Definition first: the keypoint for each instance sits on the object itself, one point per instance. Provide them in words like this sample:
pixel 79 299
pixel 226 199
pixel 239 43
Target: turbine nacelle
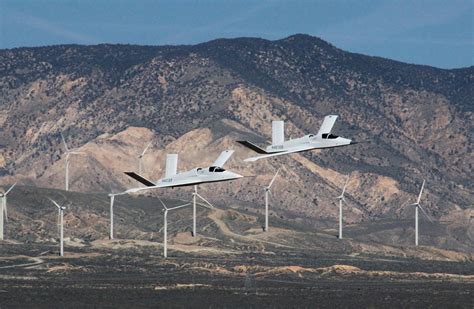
pixel 57 205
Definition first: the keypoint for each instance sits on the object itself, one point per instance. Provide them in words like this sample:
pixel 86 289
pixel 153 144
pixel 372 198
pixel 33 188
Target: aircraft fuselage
pixel 308 142
pixel 198 176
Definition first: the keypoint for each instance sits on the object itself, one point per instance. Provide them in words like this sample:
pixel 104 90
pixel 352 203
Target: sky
pixel 439 33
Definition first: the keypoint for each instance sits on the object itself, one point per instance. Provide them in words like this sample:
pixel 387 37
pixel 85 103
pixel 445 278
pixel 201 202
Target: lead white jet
pixel 323 139
pixel 194 177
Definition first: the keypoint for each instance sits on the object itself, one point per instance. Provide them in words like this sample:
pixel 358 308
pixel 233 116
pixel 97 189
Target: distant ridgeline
pixel 199 99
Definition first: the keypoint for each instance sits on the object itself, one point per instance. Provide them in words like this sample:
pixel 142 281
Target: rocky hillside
pixel 111 100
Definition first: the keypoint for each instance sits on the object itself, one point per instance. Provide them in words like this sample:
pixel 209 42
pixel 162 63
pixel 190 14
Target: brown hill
pixel 110 100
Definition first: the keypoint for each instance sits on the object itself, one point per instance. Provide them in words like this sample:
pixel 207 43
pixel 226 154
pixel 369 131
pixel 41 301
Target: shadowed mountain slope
pixel 110 100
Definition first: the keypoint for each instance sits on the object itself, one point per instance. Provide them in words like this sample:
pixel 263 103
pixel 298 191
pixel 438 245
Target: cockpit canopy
pixel 216 169
pixel 329 136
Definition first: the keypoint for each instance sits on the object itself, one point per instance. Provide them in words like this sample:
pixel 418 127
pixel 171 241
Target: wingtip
pixel 360 142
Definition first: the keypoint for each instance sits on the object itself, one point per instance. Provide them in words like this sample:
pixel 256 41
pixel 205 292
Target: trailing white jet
pixel 214 173
pixel 323 139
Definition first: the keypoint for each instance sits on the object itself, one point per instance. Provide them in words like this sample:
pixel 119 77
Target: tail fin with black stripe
pixel 252 146
pixel 141 179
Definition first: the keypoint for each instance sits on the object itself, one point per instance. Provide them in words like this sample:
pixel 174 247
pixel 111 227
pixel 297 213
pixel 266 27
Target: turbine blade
pixel 426 214
pixel 180 206
pixel 124 192
pixel 10 189
pixel 273 179
pixel 54 202
pixel 421 191
pixel 64 142
pixel 208 203
pixel 345 185
pixel 162 203
pixel 146 148
pixel 404 204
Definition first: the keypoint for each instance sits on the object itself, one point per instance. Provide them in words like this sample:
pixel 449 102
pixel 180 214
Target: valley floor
pixel 135 275
pixel 230 263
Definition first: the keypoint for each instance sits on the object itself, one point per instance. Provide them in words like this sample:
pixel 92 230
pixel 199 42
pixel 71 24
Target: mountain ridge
pixel 417 118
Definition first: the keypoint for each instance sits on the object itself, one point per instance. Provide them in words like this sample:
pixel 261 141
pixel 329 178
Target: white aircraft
pixel 214 173
pixel 323 139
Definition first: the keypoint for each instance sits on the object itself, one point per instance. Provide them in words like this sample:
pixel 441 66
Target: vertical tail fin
pixel 171 165
pixel 278 132
pixel 223 157
pixel 327 125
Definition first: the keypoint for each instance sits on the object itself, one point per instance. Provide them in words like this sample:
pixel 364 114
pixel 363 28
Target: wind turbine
pixel 61 224
pixel 267 192
pixel 342 199
pixel 165 226
pixel 3 210
pixel 140 156
pixel 417 205
pixel 68 153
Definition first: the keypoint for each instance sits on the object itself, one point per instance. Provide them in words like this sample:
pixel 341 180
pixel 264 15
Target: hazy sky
pixel 437 33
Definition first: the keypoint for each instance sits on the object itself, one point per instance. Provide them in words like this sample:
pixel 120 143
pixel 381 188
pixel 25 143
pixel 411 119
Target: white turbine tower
pixel 3 210
pixel 112 199
pixel 140 156
pixel 68 153
pixel 267 192
pixel 417 205
pixel 61 226
pixel 165 225
pixel 342 199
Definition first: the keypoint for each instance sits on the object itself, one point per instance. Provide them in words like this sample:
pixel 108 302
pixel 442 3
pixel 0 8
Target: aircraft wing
pixel 290 151
pixel 179 183
pixel 223 157
pixel 327 125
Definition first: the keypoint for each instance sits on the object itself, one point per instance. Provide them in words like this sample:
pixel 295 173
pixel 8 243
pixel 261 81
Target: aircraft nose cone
pixel 353 142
